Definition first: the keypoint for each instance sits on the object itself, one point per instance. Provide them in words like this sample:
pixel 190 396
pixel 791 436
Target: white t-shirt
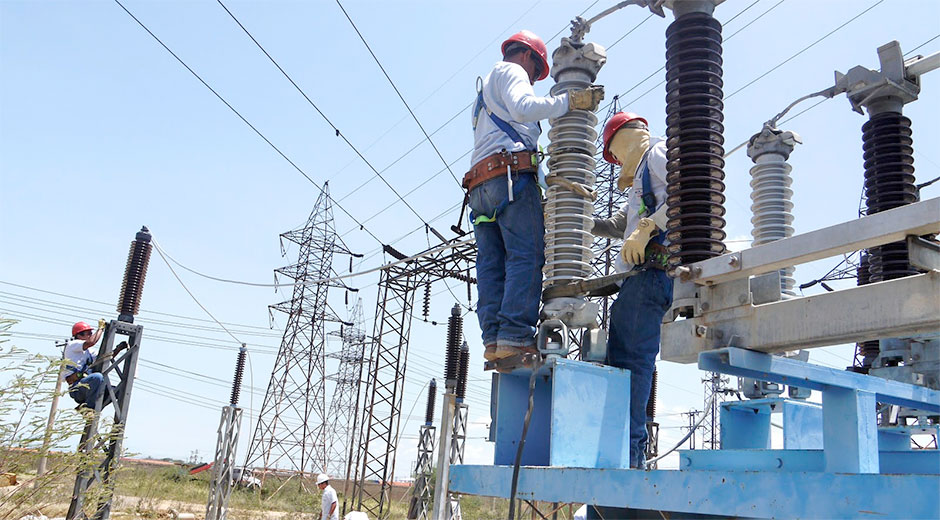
pixel 509 95
pixel 327 501
pixel 76 357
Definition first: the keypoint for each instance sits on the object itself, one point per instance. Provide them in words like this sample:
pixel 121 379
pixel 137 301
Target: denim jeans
pixel 510 256
pixel 86 390
pixel 633 342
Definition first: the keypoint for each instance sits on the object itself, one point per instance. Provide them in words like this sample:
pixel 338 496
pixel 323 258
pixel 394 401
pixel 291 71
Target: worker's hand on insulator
pixel 634 246
pixel 586 99
pixel 101 324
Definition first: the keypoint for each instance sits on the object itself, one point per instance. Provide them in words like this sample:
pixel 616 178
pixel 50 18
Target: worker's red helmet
pixel 80 327
pixel 535 44
pixel 616 121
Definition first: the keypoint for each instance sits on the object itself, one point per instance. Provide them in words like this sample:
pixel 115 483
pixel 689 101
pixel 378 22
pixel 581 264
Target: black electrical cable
pixel 240 116
pixel 400 96
pixel 525 431
pixel 335 129
pixel 804 49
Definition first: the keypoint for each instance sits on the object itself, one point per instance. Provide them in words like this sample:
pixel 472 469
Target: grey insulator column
pixel 568 214
pixel 772 207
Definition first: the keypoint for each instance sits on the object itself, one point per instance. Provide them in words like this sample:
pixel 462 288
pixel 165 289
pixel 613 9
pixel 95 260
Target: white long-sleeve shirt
pixel 656 159
pixel 509 95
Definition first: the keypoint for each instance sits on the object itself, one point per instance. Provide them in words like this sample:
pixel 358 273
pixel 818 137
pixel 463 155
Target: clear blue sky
pixel 102 131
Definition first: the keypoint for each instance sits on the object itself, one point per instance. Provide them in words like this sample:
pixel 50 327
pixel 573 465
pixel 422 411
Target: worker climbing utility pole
pixel 502 192
pixel 96 471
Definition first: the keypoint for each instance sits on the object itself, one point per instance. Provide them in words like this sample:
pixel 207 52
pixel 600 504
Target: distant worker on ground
pixel 644 298
pixel 328 501
pixel 504 197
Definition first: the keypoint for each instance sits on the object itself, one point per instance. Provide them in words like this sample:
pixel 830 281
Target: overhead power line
pixel 335 129
pixel 804 49
pixel 240 116
pixel 400 96
pixel 113 304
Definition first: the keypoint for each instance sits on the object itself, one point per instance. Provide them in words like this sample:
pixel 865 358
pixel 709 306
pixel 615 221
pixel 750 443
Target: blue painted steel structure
pixel 835 463
pixel 580 419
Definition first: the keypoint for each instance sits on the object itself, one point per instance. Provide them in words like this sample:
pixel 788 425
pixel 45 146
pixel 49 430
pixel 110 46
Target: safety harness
pixel 648 206
pixel 514 188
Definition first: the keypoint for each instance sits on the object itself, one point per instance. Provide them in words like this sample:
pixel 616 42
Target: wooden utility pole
pixel 47 436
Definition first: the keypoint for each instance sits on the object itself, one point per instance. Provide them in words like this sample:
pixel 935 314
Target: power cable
pixel 804 49
pixel 190 293
pixel 400 96
pixel 237 113
pixel 335 129
pixel 112 304
pixel 444 247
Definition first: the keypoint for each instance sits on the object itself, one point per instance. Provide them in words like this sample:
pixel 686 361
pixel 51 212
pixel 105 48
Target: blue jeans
pixel 86 390
pixel 633 342
pixel 510 256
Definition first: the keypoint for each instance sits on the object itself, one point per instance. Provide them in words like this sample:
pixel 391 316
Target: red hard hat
pixel 80 327
pixel 534 43
pixel 616 121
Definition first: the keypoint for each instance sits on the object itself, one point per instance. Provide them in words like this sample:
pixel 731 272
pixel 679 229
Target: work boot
pixel 489 353
pixel 504 351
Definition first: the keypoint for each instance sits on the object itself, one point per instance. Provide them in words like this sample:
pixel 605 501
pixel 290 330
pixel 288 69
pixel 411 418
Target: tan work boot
pixel 490 353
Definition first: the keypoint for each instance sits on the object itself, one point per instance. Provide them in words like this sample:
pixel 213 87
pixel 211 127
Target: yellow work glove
pixel 634 246
pixel 586 99
pixel 101 324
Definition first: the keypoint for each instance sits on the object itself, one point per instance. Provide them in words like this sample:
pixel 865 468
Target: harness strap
pixel 500 123
pixel 648 203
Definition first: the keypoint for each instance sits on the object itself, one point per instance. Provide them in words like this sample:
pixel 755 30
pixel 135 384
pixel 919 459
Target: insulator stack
pixel 432 395
pixel 426 307
pixel 135 273
pixel 889 183
pixel 694 141
pixel 572 147
pixel 239 370
pixel 464 362
pixel 772 206
pixel 651 404
pixel 868 349
pixel 454 336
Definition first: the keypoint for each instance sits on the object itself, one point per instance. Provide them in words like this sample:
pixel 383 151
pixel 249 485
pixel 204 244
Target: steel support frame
pixel 96 472
pixel 730 306
pixel 761 483
pixel 223 466
pixel 424 467
pixel 458 441
pixel 373 469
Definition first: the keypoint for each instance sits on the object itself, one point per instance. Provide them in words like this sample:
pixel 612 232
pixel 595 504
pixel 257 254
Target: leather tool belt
pixel 73 378
pixel 495 165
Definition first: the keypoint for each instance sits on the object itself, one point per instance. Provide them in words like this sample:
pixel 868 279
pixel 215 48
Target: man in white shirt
pixel 328 501
pixel 85 385
pixel 504 198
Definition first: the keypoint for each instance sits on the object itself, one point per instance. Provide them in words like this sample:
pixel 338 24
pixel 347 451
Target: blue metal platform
pixel 836 463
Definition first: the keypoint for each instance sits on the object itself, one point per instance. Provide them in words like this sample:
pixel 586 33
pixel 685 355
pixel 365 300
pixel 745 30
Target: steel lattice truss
pixel 609 200
pixel 344 405
pixel 291 433
pixel 375 459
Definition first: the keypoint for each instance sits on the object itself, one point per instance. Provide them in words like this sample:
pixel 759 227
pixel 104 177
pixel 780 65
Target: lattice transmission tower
pixel 291 432
pixel 344 405
pixel 609 200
